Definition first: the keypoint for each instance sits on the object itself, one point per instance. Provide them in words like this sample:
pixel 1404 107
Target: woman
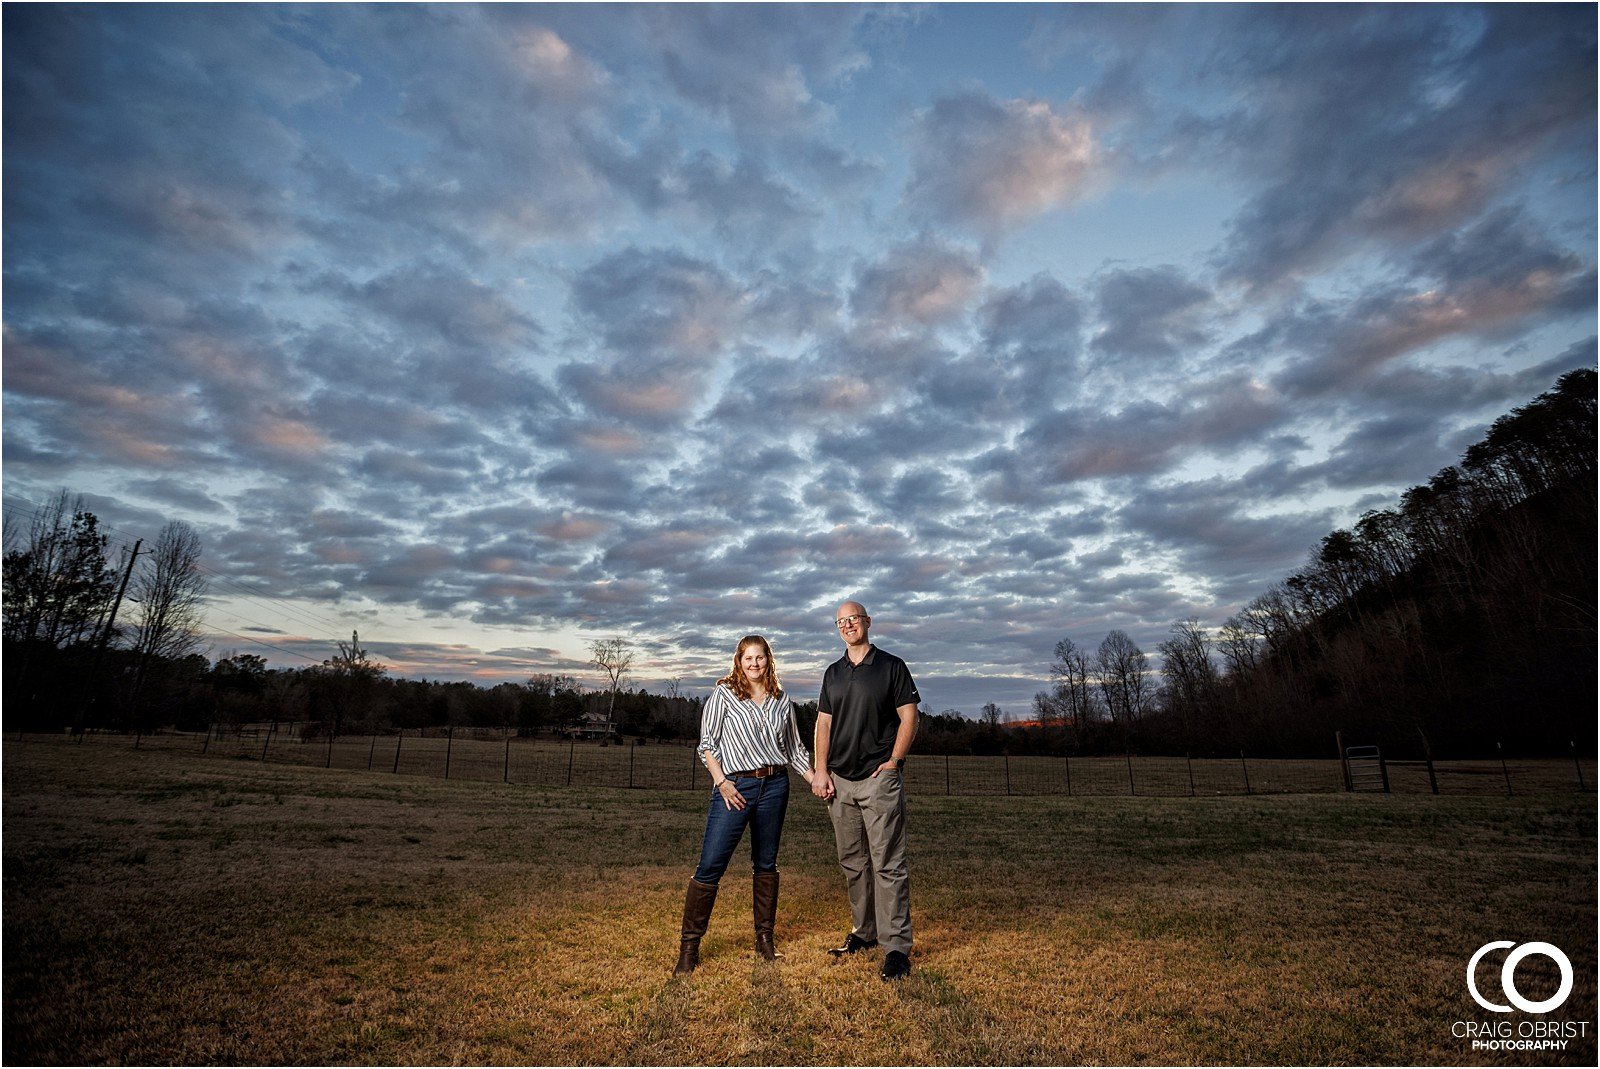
pixel 748 734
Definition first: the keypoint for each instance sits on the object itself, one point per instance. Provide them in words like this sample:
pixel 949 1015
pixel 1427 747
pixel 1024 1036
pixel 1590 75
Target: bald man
pixel 866 721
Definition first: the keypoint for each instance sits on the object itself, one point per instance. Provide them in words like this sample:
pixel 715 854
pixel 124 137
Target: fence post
pixel 329 762
pixel 632 746
pixel 449 741
pixel 399 739
pixel 372 751
pixel 694 759
pixel 571 746
pixel 1344 762
pixel 1503 769
pixel 1066 760
pixel 1131 791
pixel 1246 768
pixel 266 744
pixel 207 745
pixel 1008 774
pixel 1427 755
pixel 1573 743
pixel 506 777
pixel 1189 760
pixel 947 774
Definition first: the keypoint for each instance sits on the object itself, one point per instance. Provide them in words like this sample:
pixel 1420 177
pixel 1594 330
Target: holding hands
pixel 822 784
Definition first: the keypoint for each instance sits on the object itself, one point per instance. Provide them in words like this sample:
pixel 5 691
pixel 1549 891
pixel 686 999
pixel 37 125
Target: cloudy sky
pixel 489 331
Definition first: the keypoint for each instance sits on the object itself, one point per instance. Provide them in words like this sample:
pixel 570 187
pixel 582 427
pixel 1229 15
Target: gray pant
pixel 869 830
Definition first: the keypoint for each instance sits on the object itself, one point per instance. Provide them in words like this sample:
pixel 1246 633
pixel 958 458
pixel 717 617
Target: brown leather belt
pixel 760 773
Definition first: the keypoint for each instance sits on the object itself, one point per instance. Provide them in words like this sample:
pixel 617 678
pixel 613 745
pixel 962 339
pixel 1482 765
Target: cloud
pixel 991 164
pixel 1149 314
pixel 663 319
pixel 1505 260
pixel 1398 126
pixel 643 301
pixel 443 306
pixel 924 283
pixel 1478 295
pixel 1037 321
pixel 1203 523
pixel 1147 437
pixel 757 66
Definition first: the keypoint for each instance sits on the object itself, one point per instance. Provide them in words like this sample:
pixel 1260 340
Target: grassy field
pixel 165 907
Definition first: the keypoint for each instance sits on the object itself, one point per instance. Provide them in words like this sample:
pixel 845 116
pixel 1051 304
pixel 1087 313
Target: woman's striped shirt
pixel 743 735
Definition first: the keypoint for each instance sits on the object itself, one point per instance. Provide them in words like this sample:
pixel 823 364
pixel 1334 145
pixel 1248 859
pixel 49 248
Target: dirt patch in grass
pixel 166 908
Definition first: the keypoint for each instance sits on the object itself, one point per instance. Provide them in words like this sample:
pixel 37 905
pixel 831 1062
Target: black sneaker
pixel 853 944
pixel 896 966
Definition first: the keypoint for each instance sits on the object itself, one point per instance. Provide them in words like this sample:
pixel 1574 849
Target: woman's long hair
pixel 736 680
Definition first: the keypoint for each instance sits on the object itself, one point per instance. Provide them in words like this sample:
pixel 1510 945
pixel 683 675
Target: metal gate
pixel 1368 772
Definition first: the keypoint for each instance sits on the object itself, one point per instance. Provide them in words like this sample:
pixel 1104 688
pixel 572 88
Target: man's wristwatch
pixel 899 763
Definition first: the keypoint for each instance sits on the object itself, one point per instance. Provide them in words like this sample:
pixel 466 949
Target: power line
pixel 305 615
pixel 268 645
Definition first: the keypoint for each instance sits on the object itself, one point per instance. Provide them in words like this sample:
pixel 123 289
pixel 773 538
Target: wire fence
pixel 482 756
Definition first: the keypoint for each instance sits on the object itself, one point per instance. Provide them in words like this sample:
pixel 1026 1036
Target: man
pixel 866 720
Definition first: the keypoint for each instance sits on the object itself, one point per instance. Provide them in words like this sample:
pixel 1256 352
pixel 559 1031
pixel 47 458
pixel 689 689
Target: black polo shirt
pixel 862 699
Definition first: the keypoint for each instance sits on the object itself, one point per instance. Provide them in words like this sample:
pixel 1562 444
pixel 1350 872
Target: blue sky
pixel 488 331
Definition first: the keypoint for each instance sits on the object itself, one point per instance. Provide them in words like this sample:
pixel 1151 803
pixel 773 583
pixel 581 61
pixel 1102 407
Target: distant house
pixel 591 725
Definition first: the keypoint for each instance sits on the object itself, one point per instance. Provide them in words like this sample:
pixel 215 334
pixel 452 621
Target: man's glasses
pixel 844 620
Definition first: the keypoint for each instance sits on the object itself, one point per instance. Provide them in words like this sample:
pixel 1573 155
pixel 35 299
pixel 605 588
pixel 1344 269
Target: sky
pixel 488 331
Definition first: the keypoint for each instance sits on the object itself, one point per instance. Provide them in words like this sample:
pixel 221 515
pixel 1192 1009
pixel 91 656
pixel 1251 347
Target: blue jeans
pixel 765 802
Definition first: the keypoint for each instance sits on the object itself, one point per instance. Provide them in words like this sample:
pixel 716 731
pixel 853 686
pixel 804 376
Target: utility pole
pixel 94 681
pixel 122 588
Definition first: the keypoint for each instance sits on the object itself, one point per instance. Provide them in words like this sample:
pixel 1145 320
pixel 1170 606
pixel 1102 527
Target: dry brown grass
pixel 168 908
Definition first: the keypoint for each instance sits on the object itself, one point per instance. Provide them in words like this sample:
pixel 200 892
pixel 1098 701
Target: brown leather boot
pixel 697 903
pixel 764 900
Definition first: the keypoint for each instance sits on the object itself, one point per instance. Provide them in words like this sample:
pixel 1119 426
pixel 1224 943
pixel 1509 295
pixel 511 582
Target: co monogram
pixel 1508 981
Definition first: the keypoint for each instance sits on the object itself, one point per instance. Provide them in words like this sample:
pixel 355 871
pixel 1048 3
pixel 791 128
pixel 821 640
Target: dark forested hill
pixel 1466 615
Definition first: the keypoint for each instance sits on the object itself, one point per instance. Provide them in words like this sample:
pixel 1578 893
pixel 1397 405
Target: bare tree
pixel 1240 647
pixel 1046 710
pixel 1072 695
pixel 1121 665
pixel 614 657
pixel 169 589
pixel 992 715
pixel 1191 674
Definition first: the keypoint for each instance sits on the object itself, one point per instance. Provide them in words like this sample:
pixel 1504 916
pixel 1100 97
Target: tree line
pixel 352 694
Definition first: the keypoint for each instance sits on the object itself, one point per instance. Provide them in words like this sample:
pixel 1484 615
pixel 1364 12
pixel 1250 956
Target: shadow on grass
pixel 658 1029
pixel 780 1040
